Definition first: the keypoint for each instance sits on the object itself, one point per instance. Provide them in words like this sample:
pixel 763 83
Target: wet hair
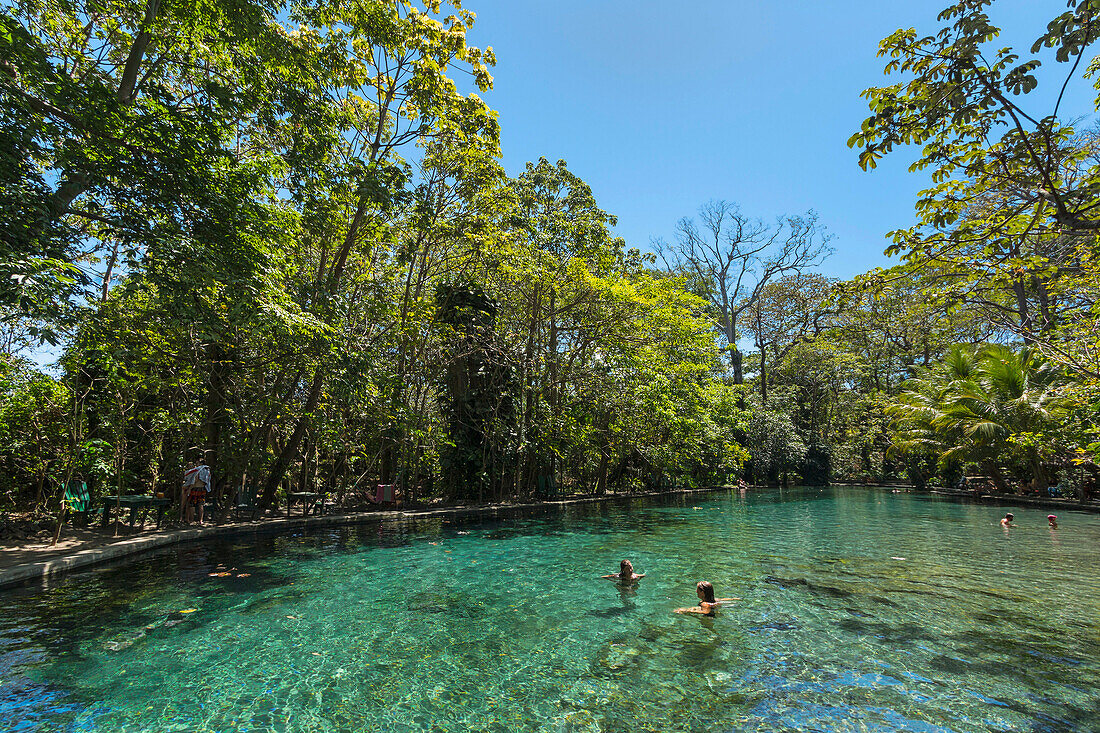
pixel 708 590
pixel 1010 515
pixel 626 568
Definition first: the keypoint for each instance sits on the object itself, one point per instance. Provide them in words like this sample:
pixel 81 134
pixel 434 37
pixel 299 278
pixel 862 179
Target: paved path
pixel 81 548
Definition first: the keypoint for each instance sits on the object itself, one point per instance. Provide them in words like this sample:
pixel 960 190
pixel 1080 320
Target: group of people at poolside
pixel 1007 520
pixel 708 604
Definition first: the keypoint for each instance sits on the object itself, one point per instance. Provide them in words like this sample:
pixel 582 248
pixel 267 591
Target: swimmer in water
pixel 1007 521
pixel 626 573
pixel 708 604
pixel 1052 521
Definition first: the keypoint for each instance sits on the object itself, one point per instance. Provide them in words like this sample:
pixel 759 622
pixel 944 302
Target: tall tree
pixel 390 91
pixel 733 257
pixel 787 312
pixel 561 237
pixel 106 93
pixel 1010 222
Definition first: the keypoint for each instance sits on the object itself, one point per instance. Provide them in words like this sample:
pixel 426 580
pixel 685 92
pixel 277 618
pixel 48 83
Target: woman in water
pixel 626 573
pixel 708 605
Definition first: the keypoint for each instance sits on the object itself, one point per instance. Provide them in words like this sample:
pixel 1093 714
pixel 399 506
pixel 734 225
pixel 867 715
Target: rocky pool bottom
pixel 861 610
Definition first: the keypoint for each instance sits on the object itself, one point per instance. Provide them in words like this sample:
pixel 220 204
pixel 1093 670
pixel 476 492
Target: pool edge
pixel 27 573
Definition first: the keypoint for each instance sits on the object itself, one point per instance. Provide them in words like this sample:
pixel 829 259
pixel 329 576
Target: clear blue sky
pixel 661 106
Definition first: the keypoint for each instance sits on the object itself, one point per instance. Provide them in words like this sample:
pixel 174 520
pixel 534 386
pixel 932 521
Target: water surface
pixel 862 611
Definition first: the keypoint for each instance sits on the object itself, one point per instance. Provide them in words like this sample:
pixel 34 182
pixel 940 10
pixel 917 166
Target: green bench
pixel 135 503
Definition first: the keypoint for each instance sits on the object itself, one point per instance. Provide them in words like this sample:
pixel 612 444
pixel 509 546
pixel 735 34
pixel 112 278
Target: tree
pixel 34 430
pixel 962 104
pixel 100 95
pixel 775 446
pixel 976 404
pixel 787 311
pixel 732 258
pixel 561 244
pixel 390 91
pixel 1009 225
pixel 477 394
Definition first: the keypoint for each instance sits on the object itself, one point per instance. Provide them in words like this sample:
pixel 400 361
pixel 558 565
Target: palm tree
pixel 1011 393
pixel 919 427
pixel 970 406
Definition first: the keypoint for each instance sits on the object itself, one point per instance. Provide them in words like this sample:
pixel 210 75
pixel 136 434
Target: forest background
pixel 277 237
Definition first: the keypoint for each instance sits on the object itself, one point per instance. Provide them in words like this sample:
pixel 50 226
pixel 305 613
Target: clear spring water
pixel 861 611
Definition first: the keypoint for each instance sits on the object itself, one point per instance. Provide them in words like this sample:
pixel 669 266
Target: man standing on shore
pixel 196 485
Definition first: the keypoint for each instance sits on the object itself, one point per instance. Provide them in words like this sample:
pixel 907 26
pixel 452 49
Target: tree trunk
pixel 737 360
pixel 549 465
pixel 278 470
pixel 216 418
pixel 75 183
pixel 605 456
pixel 763 377
pixel 529 475
pixel 736 357
pixel 1045 312
pixel 111 261
pixel 303 476
pixel 1042 481
pixel 994 472
pixel 1024 312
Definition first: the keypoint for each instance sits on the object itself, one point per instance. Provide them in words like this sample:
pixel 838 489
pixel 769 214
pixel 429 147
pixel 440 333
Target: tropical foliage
pixel 981 406
pixel 1007 232
pixel 278 236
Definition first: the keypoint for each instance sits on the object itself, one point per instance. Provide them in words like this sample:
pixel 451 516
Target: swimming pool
pixel 862 610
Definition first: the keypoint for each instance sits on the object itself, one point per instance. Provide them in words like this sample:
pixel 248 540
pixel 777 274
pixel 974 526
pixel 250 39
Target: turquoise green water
pixel 861 611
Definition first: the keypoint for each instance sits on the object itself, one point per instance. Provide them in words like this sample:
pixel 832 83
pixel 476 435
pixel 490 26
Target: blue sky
pixel 661 106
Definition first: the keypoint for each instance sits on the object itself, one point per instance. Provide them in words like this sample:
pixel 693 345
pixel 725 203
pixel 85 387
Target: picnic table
pixel 308 499
pixel 134 502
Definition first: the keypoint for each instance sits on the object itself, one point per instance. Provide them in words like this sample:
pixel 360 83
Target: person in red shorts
pixel 196 485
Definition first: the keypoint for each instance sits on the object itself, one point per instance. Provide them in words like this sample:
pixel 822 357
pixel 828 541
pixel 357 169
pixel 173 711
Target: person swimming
pixel 1052 521
pixel 708 604
pixel 1007 520
pixel 626 573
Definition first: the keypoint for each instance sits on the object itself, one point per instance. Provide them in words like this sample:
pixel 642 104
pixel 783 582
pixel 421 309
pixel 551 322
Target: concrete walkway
pixel 81 548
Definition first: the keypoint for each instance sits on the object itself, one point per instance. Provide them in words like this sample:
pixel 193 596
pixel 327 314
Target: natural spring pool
pixel 862 611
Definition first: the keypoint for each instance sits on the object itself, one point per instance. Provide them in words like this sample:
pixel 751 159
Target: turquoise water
pixel 861 611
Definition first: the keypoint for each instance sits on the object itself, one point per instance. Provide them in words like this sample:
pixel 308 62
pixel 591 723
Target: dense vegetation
pixel 276 235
